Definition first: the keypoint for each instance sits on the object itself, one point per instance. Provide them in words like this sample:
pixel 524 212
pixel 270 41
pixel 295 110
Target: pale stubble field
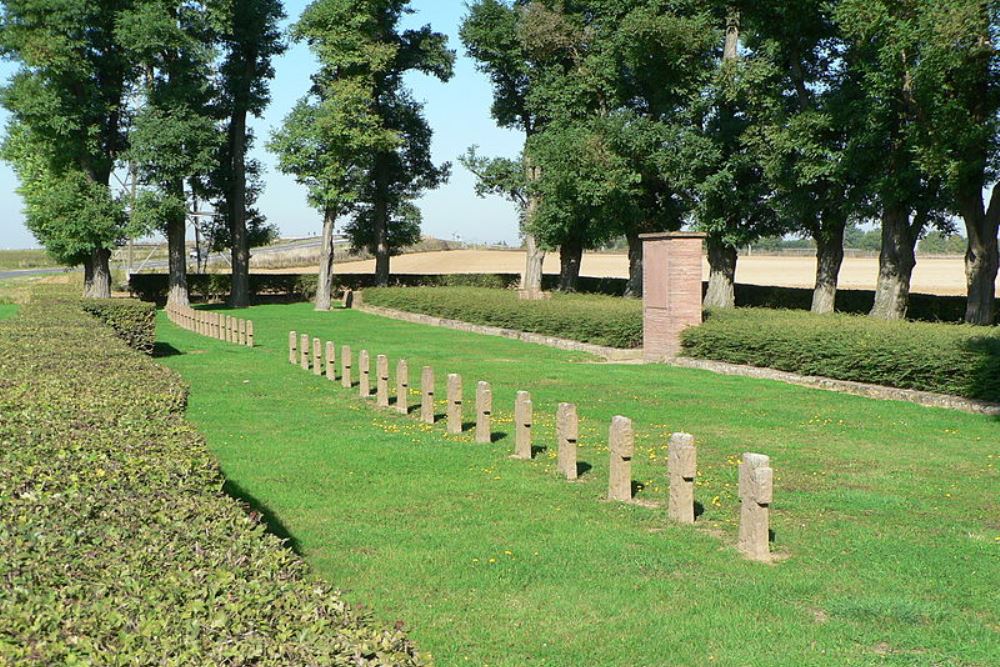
pixel 933 275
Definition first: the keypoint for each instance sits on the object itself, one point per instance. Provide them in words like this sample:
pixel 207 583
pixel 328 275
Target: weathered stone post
pixel 249 333
pixel 671 266
pixel 243 332
pixel 621 442
pixel 567 433
pixel 522 425
pixel 682 466
pixel 403 387
pixel 364 374
pixel 756 491
pixel 304 351
pixel 454 403
pixel 331 361
pixel 345 367
pixel 317 364
pixel 484 413
pixel 234 330
pixel 427 395
pixel 217 328
pixel 382 381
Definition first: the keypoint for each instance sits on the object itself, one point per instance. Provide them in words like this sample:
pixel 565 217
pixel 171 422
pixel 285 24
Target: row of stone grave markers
pixel 214 325
pixel 755 480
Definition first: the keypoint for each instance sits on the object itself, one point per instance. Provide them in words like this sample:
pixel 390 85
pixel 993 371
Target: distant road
pixel 23 273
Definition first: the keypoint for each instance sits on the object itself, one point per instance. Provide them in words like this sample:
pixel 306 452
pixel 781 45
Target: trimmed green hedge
pixel 133 321
pixel 117 545
pixel 601 320
pixel 945 358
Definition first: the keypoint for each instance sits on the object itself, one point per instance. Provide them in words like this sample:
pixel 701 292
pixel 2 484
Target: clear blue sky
pixel 459 113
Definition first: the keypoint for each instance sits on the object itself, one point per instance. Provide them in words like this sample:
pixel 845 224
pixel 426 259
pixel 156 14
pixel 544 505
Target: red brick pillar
pixel 671 267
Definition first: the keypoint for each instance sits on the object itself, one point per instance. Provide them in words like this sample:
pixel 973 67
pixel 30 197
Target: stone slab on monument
pixel 672 298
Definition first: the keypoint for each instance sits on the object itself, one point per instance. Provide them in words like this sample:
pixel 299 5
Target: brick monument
pixel 671 287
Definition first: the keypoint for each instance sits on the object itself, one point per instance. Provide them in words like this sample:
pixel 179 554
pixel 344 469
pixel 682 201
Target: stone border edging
pixel 609 353
pixel 876 391
pixel 865 390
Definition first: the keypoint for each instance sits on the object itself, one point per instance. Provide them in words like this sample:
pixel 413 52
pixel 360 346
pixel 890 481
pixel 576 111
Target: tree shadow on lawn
pixel 163 350
pixel 267 515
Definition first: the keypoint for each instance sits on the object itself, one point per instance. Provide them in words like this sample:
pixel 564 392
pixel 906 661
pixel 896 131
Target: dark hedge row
pixel 601 320
pixel 117 546
pixel 133 321
pixel 944 358
pixel 300 287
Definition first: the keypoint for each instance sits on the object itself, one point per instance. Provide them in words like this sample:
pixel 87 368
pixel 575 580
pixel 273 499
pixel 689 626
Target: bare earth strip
pixel 937 275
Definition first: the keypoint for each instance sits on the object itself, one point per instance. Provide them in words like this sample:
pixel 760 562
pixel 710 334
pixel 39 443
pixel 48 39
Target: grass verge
pixel 887 512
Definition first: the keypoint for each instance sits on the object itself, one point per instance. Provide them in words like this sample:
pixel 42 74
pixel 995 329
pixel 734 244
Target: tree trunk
pixel 570 258
pixel 722 274
pixel 97 275
pixel 324 284
pixel 981 259
pixel 88 275
pixel 239 293
pixel 177 257
pixel 895 265
pixel 535 259
pixel 829 259
pixel 634 286
pixel 381 220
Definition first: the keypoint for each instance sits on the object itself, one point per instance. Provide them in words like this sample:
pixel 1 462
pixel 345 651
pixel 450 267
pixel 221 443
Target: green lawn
pixel 887 512
pixel 7 310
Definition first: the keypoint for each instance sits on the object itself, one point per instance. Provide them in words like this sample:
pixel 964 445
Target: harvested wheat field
pixel 933 275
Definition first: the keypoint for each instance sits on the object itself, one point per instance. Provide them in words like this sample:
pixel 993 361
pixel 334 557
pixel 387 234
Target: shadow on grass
pixel 267 515
pixel 582 468
pixel 497 437
pixel 537 450
pixel 163 350
pixel 637 488
pixel 699 509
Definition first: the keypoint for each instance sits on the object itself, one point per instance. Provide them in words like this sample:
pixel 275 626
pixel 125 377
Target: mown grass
pixel 886 513
pixel 7 310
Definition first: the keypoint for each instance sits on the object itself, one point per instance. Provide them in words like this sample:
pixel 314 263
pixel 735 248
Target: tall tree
pixel 68 98
pixel 886 48
pixel 804 128
pixel 174 138
pixel 363 56
pixel 491 35
pixel 733 199
pixel 250 38
pixel 960 72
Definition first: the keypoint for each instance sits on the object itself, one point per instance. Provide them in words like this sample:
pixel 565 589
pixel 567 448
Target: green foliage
pixel 118 545
pixel 943 358
pixel 359 140
pixel 132 321
pixel 940 243
pixel 593 319
pixel 66 127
